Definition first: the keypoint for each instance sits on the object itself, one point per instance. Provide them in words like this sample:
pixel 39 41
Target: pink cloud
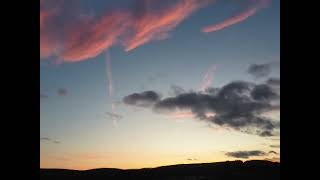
pixel 155 25
pixel 90 39
pixel 77 39
pixel 48 38
pixel 257 4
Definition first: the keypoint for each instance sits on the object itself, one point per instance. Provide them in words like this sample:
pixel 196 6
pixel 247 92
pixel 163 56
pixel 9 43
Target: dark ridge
pixel 229 170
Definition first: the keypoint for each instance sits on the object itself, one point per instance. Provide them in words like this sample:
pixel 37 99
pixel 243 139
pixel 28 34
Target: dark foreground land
pixel 230 170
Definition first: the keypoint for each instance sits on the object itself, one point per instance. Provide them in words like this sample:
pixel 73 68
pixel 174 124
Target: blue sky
pixel 77 118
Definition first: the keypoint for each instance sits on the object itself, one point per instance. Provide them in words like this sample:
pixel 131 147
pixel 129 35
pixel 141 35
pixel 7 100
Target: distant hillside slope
pixel 230 170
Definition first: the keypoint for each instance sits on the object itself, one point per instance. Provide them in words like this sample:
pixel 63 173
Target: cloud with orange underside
pixel 187 114
pixel 183 114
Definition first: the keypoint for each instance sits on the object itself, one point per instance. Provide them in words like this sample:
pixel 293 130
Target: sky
pixel 146 83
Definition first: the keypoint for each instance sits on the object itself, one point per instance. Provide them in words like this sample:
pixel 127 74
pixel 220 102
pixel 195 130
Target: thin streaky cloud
pixel 46 139
pixel 256 5
pixel 273 152
pixel 275 146
pixel 208 78
pixel 109 74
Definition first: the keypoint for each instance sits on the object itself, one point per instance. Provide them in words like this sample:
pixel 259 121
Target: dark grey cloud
pixel 144 99
pixel 46 139
pixel 273 152
pixel 62 91
pixel 259 70
pixel 264 92
pixel 245 154
pixel 262 70
pixel 238 105
pixel 266 133
pixel 275 146
pixel 212 91
pixel 274 82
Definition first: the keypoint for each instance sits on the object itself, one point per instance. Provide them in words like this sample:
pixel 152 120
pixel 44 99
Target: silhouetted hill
pixel 229 170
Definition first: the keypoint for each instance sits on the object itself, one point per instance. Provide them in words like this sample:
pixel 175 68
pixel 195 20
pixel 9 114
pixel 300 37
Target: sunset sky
pixel 146 83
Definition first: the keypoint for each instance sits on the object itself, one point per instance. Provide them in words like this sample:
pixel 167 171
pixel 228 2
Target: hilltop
pixel 229 170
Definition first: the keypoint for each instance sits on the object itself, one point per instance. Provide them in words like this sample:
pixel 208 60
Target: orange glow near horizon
pixel 134 160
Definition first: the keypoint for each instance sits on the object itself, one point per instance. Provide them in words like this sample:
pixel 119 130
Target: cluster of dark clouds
pixel 144 99
pixel 248 154
pixel 239 105
pixel 245 154
pixel 262 70
pixel 46 139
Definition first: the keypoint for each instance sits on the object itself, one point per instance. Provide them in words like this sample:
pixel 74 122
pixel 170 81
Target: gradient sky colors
pixel 93 53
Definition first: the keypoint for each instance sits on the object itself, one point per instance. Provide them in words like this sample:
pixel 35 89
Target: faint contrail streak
pixel 111 88
pixel 109 74
pixel 207 79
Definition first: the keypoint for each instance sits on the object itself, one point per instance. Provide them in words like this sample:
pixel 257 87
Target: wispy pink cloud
pixel 48 36
pixel 156 24
pixel 90 39
pixel 251 10
pixel 76 38
pixel 79 37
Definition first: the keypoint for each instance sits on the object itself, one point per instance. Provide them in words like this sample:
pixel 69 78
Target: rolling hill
pixel 229 170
